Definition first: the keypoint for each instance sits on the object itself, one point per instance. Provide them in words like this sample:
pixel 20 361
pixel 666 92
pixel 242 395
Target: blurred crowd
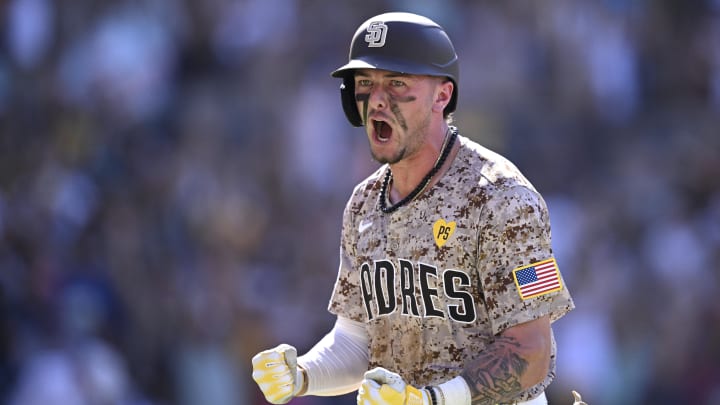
pixel 173 174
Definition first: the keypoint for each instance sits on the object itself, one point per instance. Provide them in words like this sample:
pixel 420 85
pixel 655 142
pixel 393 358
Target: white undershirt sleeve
pixel 337 363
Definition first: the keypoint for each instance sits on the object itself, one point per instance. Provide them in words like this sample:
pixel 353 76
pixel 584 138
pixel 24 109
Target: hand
pixel 275 372
pixel 382 387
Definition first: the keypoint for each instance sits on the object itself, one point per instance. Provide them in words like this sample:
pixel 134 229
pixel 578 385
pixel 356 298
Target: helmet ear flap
pixel 347 96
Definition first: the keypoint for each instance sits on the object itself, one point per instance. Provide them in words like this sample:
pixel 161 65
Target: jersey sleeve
pixel 346 299
pixel 514 237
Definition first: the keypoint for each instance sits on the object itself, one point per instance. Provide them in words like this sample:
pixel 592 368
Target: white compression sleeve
pixel 337 363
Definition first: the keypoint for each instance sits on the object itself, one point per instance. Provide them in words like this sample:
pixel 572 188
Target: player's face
pixel 396 110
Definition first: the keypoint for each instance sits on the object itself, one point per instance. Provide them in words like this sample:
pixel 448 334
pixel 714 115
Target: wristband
pixel 441 395
pixel 304 376
pixel 431 393
pixel 455 391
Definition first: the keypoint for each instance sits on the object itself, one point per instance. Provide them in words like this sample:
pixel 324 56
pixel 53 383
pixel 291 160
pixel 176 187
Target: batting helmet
pixel 399 42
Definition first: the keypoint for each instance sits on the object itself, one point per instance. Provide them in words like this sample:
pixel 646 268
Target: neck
pixel 409 172
pixel 446 154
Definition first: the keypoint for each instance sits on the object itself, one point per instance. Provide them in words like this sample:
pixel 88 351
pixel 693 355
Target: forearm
pixel 336 364
pixel 511 364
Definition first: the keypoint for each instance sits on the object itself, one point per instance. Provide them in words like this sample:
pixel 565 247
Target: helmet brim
pixel 351 66
pixel 390 65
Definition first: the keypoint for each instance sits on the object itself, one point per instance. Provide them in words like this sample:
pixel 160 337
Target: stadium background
pixel 172 177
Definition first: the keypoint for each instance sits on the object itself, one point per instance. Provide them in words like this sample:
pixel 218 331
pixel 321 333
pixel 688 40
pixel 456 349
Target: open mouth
pixel 383 131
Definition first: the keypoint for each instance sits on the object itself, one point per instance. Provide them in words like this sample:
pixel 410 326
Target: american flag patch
pixel 537 279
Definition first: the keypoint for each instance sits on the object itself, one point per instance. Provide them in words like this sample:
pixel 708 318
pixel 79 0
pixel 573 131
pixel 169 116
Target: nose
pixel 377 99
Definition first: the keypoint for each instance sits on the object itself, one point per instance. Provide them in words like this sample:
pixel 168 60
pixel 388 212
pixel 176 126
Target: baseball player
pixel 447 285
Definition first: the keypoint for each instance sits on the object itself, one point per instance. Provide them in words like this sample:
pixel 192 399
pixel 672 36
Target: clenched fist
pixel 275 372
pixel 383 387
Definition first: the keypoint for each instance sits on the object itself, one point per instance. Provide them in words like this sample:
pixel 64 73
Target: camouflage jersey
pixel 435 280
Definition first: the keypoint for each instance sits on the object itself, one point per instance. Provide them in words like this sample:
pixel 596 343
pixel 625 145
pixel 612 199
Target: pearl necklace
pixel 444 152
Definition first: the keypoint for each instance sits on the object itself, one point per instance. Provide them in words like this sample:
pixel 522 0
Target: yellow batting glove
pixel 383 387
pixel 275 372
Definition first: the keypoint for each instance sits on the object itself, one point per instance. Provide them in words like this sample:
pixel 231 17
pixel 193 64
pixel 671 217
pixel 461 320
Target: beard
pixel 406 146
pixel 398 156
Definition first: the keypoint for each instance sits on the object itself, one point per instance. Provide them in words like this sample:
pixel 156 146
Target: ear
pixel 443 94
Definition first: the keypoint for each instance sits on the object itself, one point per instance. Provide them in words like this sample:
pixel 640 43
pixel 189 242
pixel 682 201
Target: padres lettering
pixel 381 297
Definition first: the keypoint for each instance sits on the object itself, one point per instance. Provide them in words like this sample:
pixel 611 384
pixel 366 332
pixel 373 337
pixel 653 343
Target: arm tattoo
pixel 494 377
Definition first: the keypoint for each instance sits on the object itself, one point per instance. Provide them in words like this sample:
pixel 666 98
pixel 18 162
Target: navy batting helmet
pixel 399 42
